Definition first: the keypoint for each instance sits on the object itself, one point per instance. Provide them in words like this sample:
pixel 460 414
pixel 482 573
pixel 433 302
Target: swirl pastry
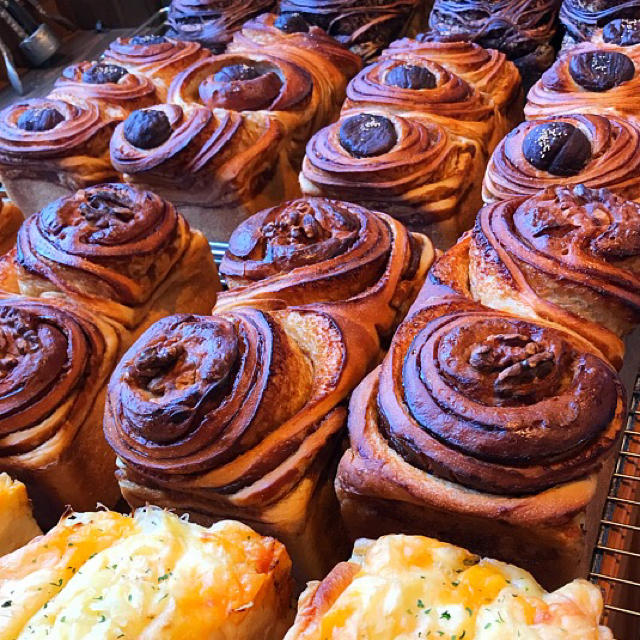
pixel 50 148
pixel 212 22
pixel 496 423
pixel 318 250
pixel 569 255
pixel 112 87
pixel 365 26
pixel 56 359
pixel 158 57
pixel 431 589
pixel 523 29
pixel 588 79
pixel 153 574
pixel 417 171
pixel 583 18
pixel 229 164
pixel 596 151
pixel 17 525
pixel 488 70
pixel 411 85
pixel 236 416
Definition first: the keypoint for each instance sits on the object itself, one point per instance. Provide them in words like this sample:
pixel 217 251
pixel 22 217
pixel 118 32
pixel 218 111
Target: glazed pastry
pixel 121 252
pixel 51 148
pixel 588 79
pixel 583 18
pixel 10 220
pixel 112 87
pixel 523 29
pixel 569 255
pixel 411 85
pixel 488 431
pixel 621 32
pixel 318 250
pixel 365 26
pixel 158 57
pixel 488 70
pixel 56 360
pixel 17 525
pixel 211 22
pixel 417 171
pixel 238 415
pixel 596 151
pixel 428 589
pixel 229 164
pixel 150 575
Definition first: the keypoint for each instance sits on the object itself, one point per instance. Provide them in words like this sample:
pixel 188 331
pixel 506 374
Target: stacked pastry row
pixel 221 136
pixel 415 133
pixel 88 274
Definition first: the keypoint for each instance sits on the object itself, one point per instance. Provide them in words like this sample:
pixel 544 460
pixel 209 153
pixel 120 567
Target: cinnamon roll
pixel 218 167
pixel 211 22
pixel 121 252
pixel 112 87
pixel 417 171
pixel 56 359
pixel 413 85
pixel 365 26
pixel 488 70
pixel 523 29
pixel 237 415
pixel 50 148
pixel 318 250
pixel 583 18
pixel 485 430
pixel 569 255
pixel 588 79
pixel 597 151
pixel 158 57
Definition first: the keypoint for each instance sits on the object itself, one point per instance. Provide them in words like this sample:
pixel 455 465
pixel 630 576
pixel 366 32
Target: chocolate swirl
pixel 240 404
pixel 568 255
pixel 400 181
pixel 109 241
pixel 609 157
pixel 53 360
pixel 587 79
pixel 582 18
pixel 493 402
pixel 448 99
pixel 487 70
pixel 317 250
pixel 71 127
pixel 211 22
pixel 364 27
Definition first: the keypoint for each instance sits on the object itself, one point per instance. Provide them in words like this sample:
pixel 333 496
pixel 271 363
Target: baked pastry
pixel 112 87
pixel 486 430
pixel 237 415
pixel 588 79
pixel 488 70
pixel 51 148
pixel 211 22
pixel 17 525
pixel 10 220
pixel 150 575
pixel 121 252
pixel 411 85
pixel 416 587
pixel 365 26
pixel 622 32
pixel 419 172
pixel 569 255
pixel 523 29
pixel 229 164
pixel 158 57
pixel 56 360
pixel 597 151
pixel 319 250
pixel 583 18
